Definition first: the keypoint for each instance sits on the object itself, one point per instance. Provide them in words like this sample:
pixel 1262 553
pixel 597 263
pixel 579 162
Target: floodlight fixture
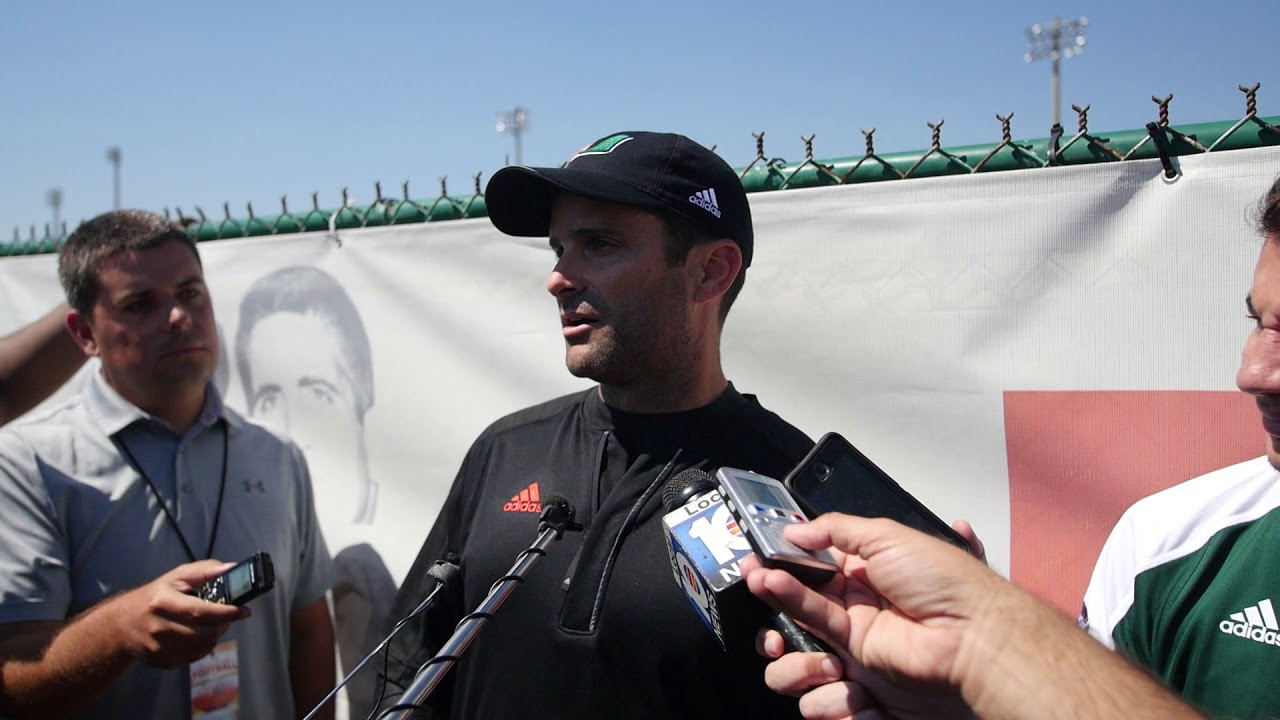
pixel 1055 40
pixel 54 199
pixel 513 122
pixel 113 157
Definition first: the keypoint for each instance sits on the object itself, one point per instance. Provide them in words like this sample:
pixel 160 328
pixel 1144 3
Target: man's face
pixel 301 385
pixel 1260 365
pixel 624 311
pixel 152 325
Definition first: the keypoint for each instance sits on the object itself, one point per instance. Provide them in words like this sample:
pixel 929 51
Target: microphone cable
pixel 443 571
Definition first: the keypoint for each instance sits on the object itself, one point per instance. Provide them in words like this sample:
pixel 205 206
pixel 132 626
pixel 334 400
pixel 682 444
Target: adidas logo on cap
pixel 527 500
pixel 1257 623
pixel 706 199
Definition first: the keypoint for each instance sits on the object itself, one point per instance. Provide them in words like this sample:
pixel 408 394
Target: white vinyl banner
pixel 1030 351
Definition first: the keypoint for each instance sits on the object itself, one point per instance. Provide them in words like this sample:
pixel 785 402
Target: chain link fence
pixel 1159 139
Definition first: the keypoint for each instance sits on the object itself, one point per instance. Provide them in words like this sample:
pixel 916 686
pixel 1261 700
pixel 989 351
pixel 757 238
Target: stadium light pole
pixel 54 199
pixel 113 157
pixel 513 122
pixel 1056 40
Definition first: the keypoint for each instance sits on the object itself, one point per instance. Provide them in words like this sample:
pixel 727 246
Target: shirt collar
pixel 114 413
pixel 677 426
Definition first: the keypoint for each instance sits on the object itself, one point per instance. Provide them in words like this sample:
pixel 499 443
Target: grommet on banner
pixel 1162 149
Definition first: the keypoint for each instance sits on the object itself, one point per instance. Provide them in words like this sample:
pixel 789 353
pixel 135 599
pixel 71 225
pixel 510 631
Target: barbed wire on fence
pixel 1159 140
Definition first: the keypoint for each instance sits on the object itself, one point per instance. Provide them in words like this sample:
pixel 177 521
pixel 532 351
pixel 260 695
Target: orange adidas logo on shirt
pixel 526 501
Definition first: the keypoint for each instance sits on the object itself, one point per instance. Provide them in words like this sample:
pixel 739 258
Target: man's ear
pixel 718 265
pixel 82 332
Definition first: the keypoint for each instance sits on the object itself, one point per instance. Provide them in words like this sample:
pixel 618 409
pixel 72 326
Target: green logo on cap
pixel 603 147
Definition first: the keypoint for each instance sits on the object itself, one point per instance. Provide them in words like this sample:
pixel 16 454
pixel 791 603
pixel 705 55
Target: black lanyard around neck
pixel 222 488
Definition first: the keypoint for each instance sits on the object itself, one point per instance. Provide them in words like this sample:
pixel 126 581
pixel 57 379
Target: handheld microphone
pixel 705 546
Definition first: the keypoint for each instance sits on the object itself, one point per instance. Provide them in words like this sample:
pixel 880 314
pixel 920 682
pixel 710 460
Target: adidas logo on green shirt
pixel 1256 622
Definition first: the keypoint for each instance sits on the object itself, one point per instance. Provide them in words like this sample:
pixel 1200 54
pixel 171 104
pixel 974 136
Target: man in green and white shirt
pixel 1187 583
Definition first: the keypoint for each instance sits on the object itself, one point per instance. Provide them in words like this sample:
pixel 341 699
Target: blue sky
pixel 241 101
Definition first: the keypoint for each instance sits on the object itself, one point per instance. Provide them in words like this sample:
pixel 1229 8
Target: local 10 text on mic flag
pixel 705 546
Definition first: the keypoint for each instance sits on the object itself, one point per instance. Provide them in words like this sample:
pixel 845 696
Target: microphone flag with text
pixel 705 545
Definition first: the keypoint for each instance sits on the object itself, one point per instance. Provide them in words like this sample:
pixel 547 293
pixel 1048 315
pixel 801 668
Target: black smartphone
pixel 241 583
pixel 836 477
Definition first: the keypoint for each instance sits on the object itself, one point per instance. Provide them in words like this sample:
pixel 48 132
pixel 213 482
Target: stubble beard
pixel 640 344
pixel 187 375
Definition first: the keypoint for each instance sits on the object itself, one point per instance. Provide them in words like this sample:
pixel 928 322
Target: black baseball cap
pixel 643 169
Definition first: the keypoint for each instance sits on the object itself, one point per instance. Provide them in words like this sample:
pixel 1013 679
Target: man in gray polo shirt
pixel 116 503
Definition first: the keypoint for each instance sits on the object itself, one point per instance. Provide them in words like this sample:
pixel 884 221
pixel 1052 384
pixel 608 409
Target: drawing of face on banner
pixel 222 374
pixel 305 367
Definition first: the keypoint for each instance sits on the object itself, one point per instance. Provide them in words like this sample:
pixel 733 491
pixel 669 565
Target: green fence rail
pixel 1159 139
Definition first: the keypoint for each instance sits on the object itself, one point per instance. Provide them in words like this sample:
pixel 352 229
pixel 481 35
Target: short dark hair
pixel 683 236
pixel 308 290
pixel 104 236
pixel 1269 211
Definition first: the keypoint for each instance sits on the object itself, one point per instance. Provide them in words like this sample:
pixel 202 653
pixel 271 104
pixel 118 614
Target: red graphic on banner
pixel 1078 460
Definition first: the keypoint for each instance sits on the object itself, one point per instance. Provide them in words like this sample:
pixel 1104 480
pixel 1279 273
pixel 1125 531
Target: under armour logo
pixel 249 486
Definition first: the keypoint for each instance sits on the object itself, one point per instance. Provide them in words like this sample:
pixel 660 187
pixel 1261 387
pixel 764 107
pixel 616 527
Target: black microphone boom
pixel 557 517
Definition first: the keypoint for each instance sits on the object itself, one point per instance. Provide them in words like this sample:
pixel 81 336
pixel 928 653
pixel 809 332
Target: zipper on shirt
pixel 595 506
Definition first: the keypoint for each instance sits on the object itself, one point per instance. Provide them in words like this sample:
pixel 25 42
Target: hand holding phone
pixel 763 508
pixel 240 584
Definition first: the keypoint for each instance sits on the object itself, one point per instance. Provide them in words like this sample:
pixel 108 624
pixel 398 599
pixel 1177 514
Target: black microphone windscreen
pixel 558 514
pixel 684 486
pixel 552 500
pixel 444 571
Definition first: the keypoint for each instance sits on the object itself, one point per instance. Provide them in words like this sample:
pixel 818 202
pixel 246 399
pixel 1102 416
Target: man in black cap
pixel 652 236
